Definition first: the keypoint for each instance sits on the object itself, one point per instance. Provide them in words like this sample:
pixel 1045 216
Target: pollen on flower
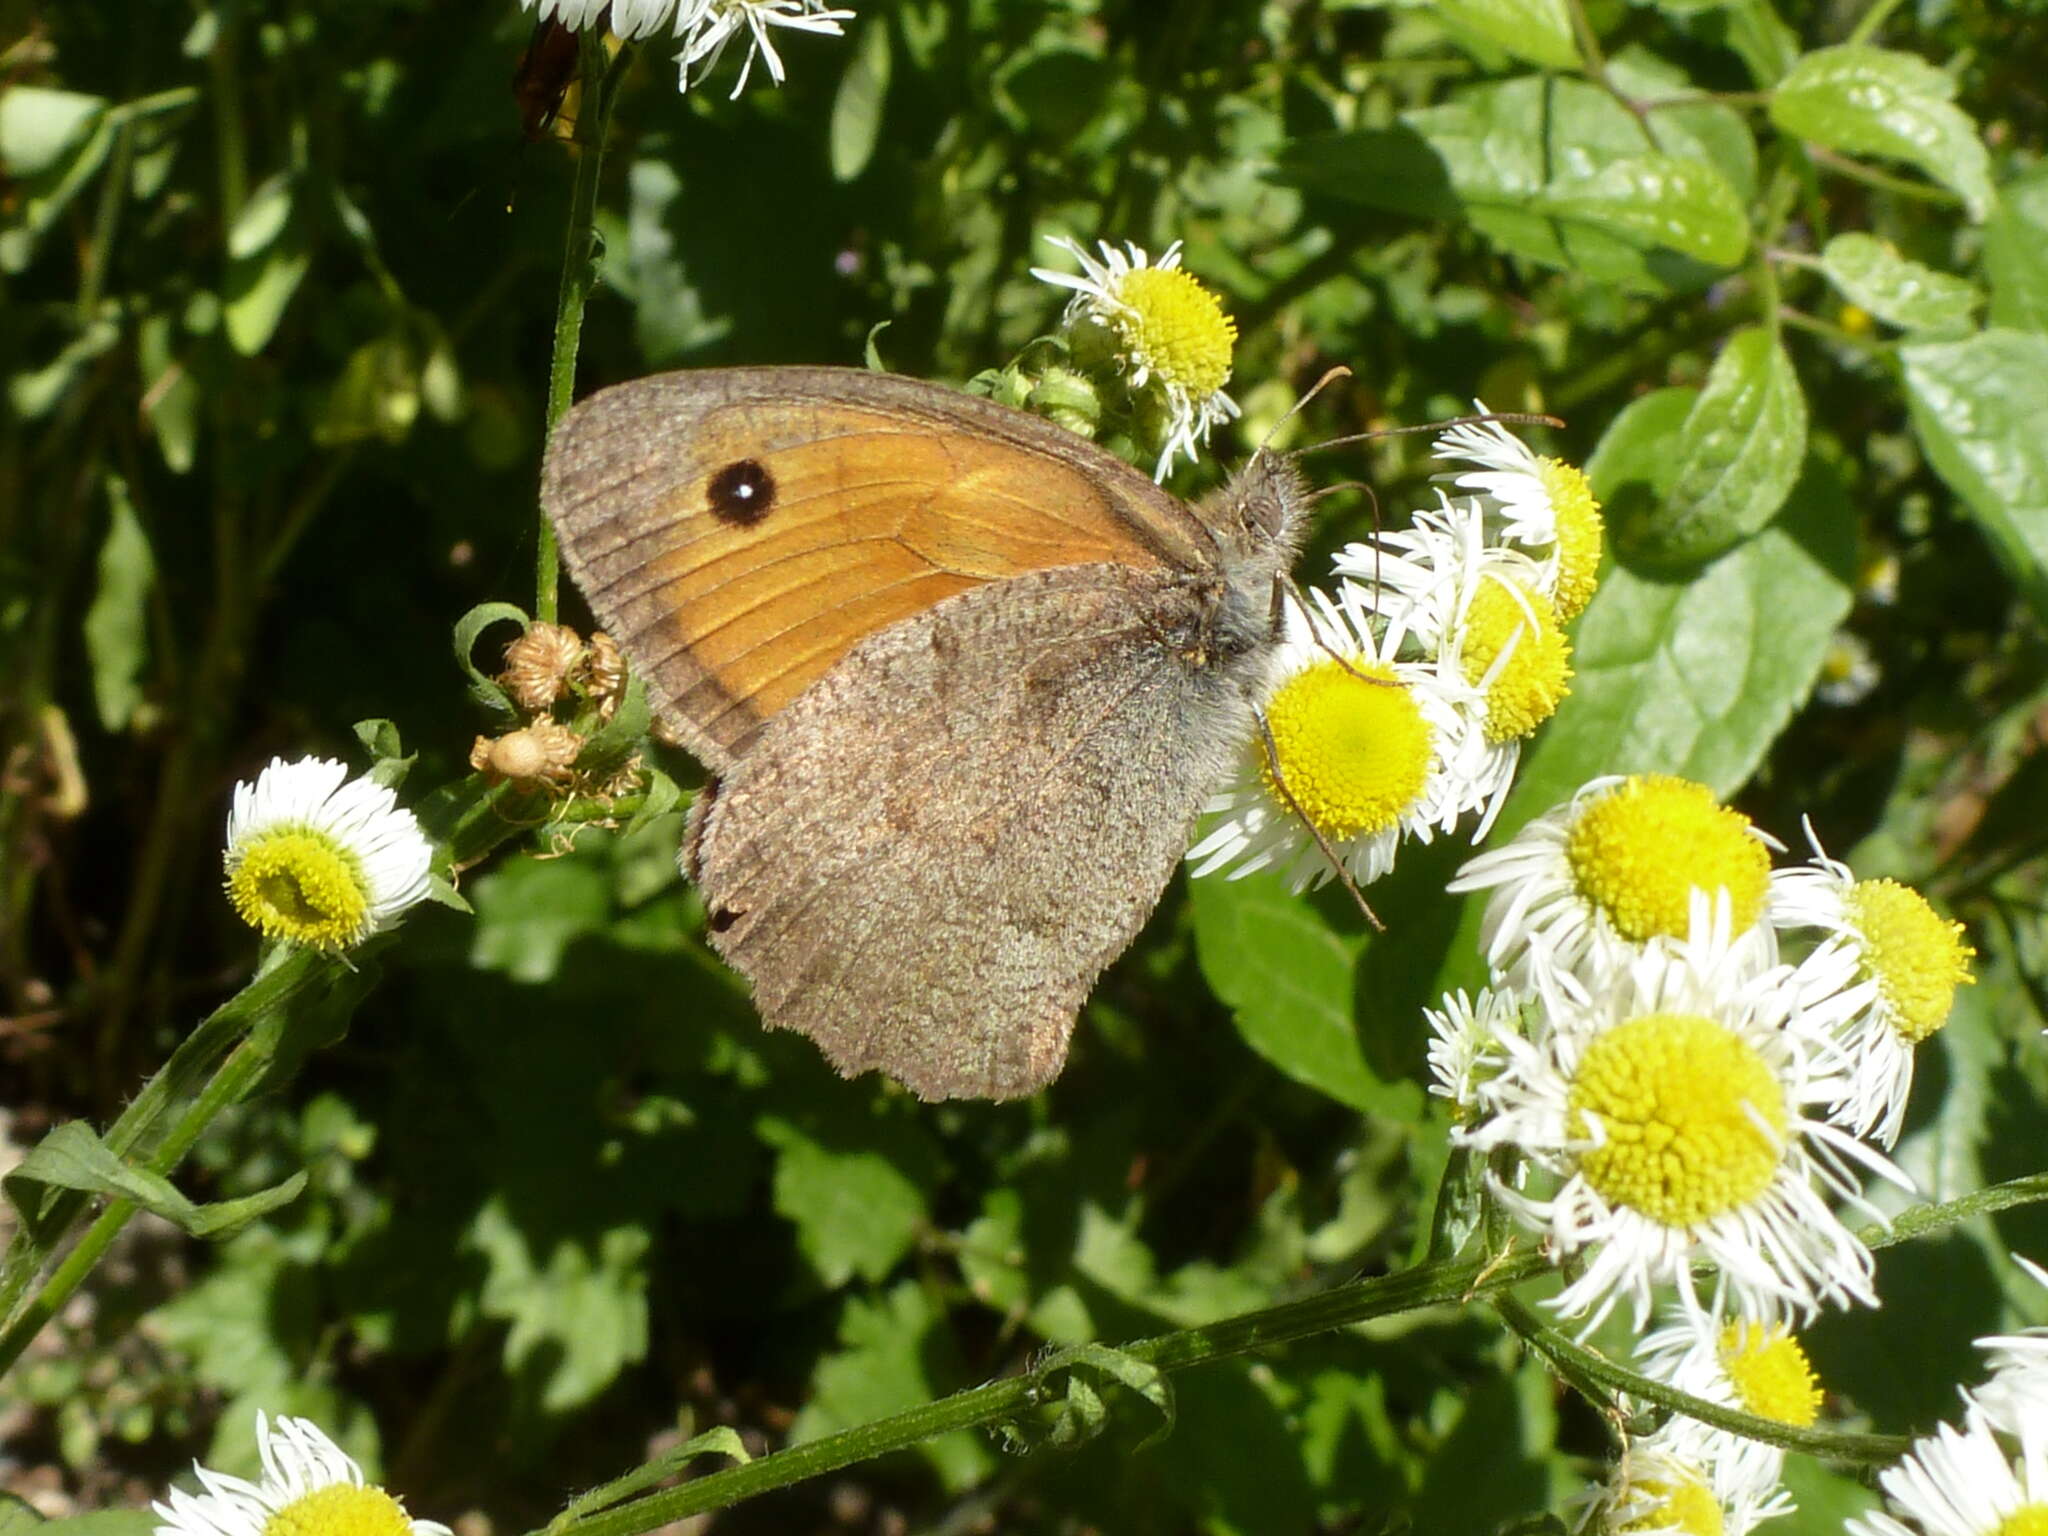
pixel 1177 326
pixel 340 1509
pixel 293 883
pixel 1534 680
pixel 1637 852
pixel 2028 1520
pixel 1580 536
pixel 1773 1379
pixel 1917 957
pixel 1678 1097
pixel 1354 749
pixel 1684 1504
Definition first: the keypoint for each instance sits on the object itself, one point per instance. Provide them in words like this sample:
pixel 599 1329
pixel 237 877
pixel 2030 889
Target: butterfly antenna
pixel 1294 410
pixel 1506 418
pixel 1315 632
pixel 1314 831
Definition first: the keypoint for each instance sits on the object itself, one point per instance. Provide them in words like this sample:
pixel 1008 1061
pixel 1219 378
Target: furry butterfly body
pixel 963 681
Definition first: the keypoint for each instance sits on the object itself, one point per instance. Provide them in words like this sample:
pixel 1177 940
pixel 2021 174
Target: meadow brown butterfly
pixel 962 680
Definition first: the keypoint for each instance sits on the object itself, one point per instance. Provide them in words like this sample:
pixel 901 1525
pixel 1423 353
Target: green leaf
pixel 529 911
pixel 889 1350
pixel 1291 984
pixel 170 394
pixel 485 689
pixel 39 127
pixel 99 1522
pixel 1980 410
pixel 43 198
pixel 117 623
pixel 856 124
pixel 259 287
pixel 72 1156
pixel 1872 101
pixel 2016 253
pixel 1656 200
pixel 1696 677
pixel 1734 462
pixel 376 396
pixel 1539 31
pixel 720 1441
pixel 1703 130
pixel 577 1310
pixel 264 216
pixel 1054 91
pixel 1872 275
pixel 854 1183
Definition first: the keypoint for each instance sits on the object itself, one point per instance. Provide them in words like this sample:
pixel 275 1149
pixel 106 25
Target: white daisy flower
pixel 1544 504
pixel 1848 670
pixel 1464 1044
pixel 704 27
pixel 2017 1393
pixel 320 859
pixel 1483 607
pixel 1171 334
pixel 1673 1109
pixel 1582 887
pixel 1751 1367
pixel 1659 1487
pixel 309 1484
pixel 1904 962
pixel 1964 1482
pixel 1370 749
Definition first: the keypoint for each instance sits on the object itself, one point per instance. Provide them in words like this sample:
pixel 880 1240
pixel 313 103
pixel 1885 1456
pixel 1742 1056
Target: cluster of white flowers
pixel 1403 697
pixel 1692 1062
pixel 308 1483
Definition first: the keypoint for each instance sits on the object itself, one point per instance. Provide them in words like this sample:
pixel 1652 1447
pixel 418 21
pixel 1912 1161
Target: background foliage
pixel 278 283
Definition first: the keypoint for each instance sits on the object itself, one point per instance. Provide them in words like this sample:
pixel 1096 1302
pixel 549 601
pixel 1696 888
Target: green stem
pixel 1868 23
pixel 601 75
pixel 139 1132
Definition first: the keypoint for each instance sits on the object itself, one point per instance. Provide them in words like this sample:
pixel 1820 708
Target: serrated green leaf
pixel 72 1156
pixel 857 108
pixel 577 1310
pixel 1980 410
pixel 2016 253
pixel 1733 463
pixel 1290 983
pixel 854 1183
pixel 889 1349
pixel 1656 200
pixel 1538 31
pixel 528 912
pixel 1697 677
pixel 1874 101
pixel 1872 275
pixel 117 623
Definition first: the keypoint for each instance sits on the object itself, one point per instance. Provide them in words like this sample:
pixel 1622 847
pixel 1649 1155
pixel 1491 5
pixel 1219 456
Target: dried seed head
pixel 538 754
pixel 604 673
pixel 539 663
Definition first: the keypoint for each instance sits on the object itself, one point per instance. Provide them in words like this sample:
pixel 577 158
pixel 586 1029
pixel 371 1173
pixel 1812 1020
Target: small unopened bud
pixel 604 673
pixel 541 753
pixel 538 665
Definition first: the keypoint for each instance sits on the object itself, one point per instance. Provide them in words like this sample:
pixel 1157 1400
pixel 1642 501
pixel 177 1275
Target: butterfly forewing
pixel 739 530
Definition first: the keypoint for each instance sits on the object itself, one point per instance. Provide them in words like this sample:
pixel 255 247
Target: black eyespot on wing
pixel 722 918
pixel 743 492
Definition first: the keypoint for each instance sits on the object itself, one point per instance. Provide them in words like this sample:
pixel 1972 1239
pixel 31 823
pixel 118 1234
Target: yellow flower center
pixel 1679 1097
pixel 1637 852
pixel 340 1509
pixel 1688 1505
pixel 1529 687
pixel 1772 1376
pixel 1580 535
pixel 2027 1520
pixel 1917 958
pixel 1354 750
pixel 1177 327
pixel 290 883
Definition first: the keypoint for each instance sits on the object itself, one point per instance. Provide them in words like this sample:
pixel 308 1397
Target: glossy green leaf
pixel 1872 275
pixel 1873 101
pixel 857 109
pixel 1656 201
pixel 1290 982
pixel 1704 130
pixel 1730 466
pixel 1693 677
pixel 1537 31
pixel 2016 253
pixel 117 623
pixel 1980 410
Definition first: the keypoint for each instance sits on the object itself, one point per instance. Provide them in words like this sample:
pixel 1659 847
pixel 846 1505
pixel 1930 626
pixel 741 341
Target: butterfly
pixel 962 681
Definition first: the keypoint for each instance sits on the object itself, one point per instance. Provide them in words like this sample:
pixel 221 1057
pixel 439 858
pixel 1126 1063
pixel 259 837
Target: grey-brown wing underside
pixel 927 859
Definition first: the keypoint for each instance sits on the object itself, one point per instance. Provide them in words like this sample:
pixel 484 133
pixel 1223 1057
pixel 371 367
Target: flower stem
pixel 601 74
